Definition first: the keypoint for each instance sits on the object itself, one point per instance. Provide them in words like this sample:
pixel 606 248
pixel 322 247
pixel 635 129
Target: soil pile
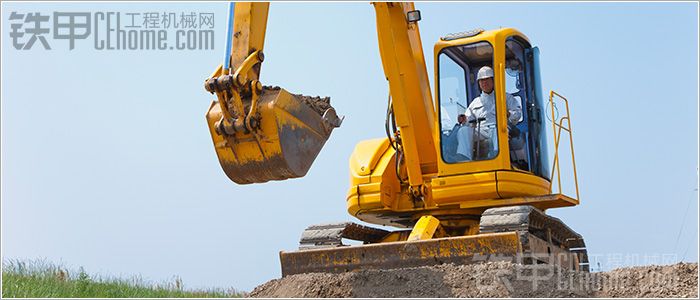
pixel 678 281
pixel 490 279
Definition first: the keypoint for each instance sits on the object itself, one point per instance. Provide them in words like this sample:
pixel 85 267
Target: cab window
pixel 518 132
pixel 467 124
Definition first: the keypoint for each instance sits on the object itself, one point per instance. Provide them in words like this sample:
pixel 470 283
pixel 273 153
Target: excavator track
pixel 526 218
pixel 331 235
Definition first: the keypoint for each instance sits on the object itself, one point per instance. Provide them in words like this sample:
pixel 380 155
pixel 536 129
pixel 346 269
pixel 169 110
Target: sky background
pixel 107 162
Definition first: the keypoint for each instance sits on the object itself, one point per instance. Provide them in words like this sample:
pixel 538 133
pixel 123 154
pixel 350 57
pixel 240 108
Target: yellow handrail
pixel 558 126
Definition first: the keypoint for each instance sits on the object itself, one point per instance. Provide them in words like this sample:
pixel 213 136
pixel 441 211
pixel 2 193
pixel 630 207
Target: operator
pixel 481 114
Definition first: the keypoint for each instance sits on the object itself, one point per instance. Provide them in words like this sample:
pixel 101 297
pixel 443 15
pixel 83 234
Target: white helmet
pixel 484 72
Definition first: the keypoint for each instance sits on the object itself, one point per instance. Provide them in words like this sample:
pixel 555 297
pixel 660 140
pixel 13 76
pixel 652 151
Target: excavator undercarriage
pixel 520 234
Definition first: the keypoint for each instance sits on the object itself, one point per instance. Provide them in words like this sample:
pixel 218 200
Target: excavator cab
pixel 490 150
pixel 469 120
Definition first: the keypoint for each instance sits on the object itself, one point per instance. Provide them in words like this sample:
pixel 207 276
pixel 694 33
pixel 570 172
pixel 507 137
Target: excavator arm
pixel 263 134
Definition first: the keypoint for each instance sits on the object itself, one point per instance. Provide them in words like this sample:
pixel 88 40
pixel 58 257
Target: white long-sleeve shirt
pixel 484 106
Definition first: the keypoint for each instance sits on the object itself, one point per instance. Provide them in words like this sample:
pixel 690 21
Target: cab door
pixel 537 139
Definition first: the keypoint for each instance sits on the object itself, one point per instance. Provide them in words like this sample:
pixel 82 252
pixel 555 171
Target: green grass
pixel 39 279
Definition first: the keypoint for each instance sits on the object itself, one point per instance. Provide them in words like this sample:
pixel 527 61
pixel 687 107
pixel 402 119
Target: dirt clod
pixel 318 104
pixel 491 279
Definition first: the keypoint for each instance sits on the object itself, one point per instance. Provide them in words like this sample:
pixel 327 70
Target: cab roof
pixel 476 35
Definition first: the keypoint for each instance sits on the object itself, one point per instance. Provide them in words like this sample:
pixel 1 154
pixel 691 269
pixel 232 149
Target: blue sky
pixel 107 162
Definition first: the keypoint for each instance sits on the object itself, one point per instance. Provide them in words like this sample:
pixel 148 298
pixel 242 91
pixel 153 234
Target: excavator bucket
pixel 292 131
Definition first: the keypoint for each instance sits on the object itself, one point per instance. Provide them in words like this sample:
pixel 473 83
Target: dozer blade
pixel 293 129
pixel 456 250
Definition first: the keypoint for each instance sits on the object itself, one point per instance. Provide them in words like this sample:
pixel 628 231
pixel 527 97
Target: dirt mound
pixel 491 279
pixel 318 104
pixel 678 281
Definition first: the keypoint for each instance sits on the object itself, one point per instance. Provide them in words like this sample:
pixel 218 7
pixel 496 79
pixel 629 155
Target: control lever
pixel 477 131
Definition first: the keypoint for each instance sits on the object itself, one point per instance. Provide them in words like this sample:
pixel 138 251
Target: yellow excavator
pixel 456 189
